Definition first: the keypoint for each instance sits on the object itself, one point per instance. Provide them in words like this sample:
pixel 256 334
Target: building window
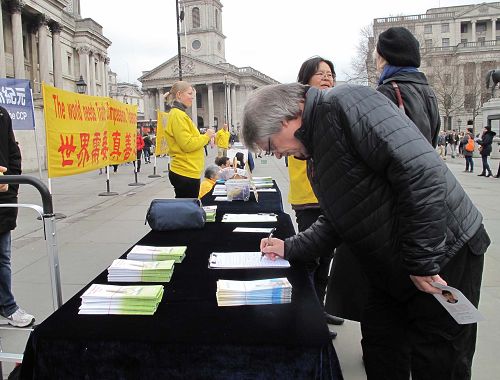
pixel 428 43
pixel 196 17
pixel 199 100
pixel 445 28
pixel 428 29
pixel 464 28
pixel 469 101
pixel 196 44
pixel 217 19
pixel 481 27
pixel 70 66
pixel 497 25
pixel 445 42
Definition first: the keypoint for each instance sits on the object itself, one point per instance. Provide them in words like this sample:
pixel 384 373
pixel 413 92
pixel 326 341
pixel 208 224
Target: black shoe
pixel 332 334
pixel 481 175
pixel 333 320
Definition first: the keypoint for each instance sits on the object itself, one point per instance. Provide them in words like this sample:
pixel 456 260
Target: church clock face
pixel 196 44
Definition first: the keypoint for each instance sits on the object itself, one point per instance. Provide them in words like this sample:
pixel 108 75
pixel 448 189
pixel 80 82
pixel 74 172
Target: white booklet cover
pixel 237 260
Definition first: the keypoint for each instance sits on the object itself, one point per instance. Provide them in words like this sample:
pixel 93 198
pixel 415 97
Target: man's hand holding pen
pixel 272 247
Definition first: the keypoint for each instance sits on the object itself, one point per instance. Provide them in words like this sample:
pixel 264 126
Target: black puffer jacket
pixel 10 157
pixel 485 142
pixel 419 101
pixel 383 189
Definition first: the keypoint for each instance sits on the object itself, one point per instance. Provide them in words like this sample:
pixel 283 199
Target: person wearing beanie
pixel 485 150
pixel 397 57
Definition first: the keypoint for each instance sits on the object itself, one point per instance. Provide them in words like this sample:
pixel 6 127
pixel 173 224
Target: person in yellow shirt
pixel 222 140
pixel 185 142
pixel 208 183
pixel 316 72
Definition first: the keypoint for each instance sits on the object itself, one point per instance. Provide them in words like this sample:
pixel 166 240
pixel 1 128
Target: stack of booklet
pixel 210 212
pixel 149 253
pixel 140 271
pixel 258 292
pixel 112 299
pixel 263 182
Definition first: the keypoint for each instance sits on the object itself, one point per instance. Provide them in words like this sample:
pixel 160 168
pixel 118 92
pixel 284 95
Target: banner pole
pixel 154 175
pixel 57 215
pixel 107 193
pixel 135 177
pixel 36 137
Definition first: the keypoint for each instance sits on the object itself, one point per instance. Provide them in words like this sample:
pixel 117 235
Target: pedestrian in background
pixel 10 164
pixel 185 142
pixel 468 147
pixel 147 149
pixel 485 150
pixel 320 73
pixel 140 147
pixel 222 138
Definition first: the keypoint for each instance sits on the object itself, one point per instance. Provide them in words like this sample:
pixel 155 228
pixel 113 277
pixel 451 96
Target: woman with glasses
pixel 317 72
pixel 185 142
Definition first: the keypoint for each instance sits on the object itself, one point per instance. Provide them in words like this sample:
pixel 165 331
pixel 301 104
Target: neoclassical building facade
pixel 48 41
pixel 221 88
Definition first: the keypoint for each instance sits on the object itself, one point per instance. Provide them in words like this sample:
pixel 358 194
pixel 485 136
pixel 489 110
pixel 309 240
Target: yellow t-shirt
pixel 206 185
pixel 301 192
pixel 222 138
pixel 185 145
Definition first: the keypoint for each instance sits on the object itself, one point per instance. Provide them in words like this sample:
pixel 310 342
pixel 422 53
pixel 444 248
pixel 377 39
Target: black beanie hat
pixel 399 47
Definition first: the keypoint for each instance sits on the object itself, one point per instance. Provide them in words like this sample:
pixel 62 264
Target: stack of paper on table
pixel 140 271
pixel 237 260
pixel 150 253
pixel 263 182
pixel 113 299
pixel 210 212
pixel 257 292
pixel 219 190
pixel 249 218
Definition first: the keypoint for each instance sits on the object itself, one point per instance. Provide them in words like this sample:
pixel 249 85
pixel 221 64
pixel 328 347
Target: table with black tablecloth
pixel 189 336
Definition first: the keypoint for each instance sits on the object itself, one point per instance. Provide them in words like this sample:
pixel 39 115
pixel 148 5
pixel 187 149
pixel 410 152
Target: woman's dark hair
pixel 309 67
pixel 241 160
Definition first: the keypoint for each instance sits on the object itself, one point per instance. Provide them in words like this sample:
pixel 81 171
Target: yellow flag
pixel 161 133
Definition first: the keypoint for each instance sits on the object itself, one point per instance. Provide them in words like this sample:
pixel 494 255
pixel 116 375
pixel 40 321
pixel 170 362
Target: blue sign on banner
pixel 15 97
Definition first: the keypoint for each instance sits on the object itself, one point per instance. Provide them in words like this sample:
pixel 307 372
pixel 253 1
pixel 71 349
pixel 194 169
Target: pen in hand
pixel 268 241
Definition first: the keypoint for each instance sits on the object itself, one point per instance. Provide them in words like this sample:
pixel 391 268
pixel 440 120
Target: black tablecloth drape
pixel 190 337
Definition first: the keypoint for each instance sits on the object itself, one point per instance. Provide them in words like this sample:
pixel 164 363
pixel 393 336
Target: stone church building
pixel 221 88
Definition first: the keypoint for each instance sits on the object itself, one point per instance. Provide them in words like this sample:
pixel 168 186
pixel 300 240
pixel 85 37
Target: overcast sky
pixel 272 36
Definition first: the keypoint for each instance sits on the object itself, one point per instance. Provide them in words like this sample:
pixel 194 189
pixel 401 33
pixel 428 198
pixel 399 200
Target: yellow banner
pixel 161 133
pixel 86 132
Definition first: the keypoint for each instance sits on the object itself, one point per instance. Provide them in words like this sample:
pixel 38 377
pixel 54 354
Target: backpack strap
pixel 398 96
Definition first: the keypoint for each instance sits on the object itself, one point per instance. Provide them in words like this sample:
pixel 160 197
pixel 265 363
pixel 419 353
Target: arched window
pixel 217 19
pixel 196 17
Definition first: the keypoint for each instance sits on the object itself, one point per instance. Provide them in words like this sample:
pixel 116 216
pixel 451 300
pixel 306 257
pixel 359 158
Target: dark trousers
pixel 320 269
pixel 184 187
pixel 406 330
pixel 469 163
pixel 139 154
pixel 486 166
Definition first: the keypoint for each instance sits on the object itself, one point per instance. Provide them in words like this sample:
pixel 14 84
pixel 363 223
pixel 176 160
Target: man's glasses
pixel 324 74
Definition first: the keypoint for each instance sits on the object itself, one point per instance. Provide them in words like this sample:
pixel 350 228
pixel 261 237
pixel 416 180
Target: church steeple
pixel 201 30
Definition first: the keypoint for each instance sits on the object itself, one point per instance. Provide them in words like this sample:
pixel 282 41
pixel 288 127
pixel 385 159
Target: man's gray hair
pixel 267 107
pixel 211 171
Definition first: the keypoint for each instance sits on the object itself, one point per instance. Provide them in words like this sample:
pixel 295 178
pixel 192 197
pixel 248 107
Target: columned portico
pixel 56 28
pixel 3 69
pixel 210 105
pixel 194 109
pixel 16 7
pixel 83 53
pixel 43 50
pixel 233 105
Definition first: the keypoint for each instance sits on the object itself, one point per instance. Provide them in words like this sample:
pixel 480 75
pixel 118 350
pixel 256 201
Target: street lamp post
pixel 180 17
pixel 81 86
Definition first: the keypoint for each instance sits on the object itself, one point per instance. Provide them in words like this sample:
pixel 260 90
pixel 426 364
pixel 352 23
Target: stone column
pixel 210 105
pixel 56 28
pixel 145 96
pixel 494 29
pixel 16 7
pixel 161 99
pixel 229 100
pixel 92 76
pixel 83 55
pixel 194 109
pixel 474 38
pixel 234 118
pixel 3 71
pixel 106 77
pixel 43 50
